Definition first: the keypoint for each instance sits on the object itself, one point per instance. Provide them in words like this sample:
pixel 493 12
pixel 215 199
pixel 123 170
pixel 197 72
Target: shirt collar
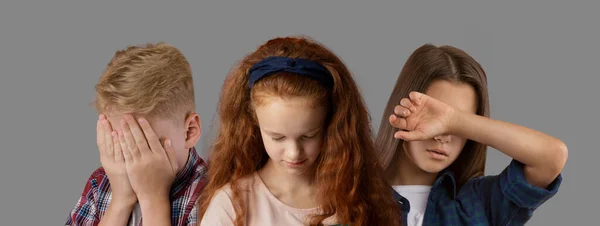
pixel 186 174
pixel 446 179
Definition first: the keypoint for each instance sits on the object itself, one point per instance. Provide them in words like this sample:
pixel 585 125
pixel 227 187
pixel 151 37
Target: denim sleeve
pixel 508 198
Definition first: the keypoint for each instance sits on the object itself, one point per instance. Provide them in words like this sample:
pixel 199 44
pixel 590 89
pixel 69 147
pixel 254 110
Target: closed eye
pixel 311 136
pixel 277 138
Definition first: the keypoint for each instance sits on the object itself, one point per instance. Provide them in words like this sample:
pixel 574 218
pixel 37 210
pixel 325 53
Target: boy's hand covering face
pixel 113 161
pixel 150 167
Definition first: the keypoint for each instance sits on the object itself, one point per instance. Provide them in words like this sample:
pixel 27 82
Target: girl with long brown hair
pixel 432 143
pixel 294 145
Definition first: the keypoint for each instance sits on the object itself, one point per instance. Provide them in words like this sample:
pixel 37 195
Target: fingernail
pixel 141 120
pixel 404 113
pixel 114 134
pixel 168 143
pixel 100 116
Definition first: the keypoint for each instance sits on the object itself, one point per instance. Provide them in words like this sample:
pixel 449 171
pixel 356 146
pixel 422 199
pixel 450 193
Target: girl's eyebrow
pixel 279 134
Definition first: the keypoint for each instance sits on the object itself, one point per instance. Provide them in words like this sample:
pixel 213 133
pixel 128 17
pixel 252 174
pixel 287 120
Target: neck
pixel 182 160
pixel 284 182
pixel 407 173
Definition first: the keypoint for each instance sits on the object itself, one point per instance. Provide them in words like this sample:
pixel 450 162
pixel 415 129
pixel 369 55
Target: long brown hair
pixel 427 64
pixel 348 177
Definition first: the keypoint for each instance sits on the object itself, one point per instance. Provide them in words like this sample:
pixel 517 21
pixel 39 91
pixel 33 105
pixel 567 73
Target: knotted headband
pixel 275 64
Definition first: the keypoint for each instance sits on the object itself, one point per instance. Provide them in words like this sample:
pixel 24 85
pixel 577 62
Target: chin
pixel 431 167
pixel 293 171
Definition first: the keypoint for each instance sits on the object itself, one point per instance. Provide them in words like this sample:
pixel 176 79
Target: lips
pixel 437 154
pixel 438 151
pixel 295 163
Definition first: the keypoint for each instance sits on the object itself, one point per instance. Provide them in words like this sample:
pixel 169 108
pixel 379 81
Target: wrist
pixel 123 204
pixel 154 206
pixel 117 213
pixel 154 199
pixel 124 201
pixel 456 120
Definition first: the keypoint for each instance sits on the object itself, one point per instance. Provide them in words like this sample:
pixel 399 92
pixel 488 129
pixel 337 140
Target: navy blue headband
pixel 275 64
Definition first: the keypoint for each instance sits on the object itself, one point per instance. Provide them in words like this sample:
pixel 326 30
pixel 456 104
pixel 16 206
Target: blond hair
pixel 149 80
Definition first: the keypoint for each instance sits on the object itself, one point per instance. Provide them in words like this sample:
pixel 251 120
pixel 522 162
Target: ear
pixel 193 130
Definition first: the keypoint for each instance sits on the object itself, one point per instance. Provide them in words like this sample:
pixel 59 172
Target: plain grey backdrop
pixel 541 58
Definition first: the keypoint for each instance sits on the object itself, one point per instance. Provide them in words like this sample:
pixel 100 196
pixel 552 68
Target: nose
pixel 293 151
pixel 443 138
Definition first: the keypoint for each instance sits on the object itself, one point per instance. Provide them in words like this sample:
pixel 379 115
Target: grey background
pixel 541 58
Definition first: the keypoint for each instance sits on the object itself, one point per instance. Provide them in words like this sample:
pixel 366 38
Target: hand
pixel 150 167
pixel 113 162
pixel 422 116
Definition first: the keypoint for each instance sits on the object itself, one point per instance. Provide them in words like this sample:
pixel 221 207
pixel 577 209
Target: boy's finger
pixel 118 153
pixel 100 136
pixel 108 140
pixel 129 140
pixel 171 154
pixel 138 135
pixel 153 141
pixel 124 150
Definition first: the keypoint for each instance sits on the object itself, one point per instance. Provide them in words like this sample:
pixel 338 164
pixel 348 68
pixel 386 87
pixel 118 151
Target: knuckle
pixel 140 143
pixel 134 150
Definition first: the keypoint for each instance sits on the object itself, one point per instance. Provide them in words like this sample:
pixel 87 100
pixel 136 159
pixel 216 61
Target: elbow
pixel 550 165
pixel 560 156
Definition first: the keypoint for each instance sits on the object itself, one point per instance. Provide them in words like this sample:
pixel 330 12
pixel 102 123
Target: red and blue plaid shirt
pixel 96 195
pixel 506 199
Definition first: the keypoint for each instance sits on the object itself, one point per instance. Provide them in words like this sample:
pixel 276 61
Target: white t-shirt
pixel 417 197
pixel 136 215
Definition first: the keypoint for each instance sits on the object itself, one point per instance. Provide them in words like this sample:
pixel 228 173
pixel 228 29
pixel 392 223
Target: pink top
pixel 263 208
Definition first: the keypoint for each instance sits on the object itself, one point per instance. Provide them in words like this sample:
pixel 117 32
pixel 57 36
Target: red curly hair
pixel 349 180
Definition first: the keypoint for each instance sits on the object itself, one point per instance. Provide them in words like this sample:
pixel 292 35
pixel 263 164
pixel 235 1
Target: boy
pixel 145 94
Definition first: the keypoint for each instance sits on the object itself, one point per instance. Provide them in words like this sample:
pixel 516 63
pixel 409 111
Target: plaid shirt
pixel 97 194
pixel 504 199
